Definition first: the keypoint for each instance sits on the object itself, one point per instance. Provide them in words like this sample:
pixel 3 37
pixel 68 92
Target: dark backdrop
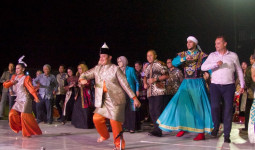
pixel 67 32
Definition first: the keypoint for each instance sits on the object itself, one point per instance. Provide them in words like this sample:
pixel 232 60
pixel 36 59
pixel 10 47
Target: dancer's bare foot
pixel 115 148
pixel 100 139
pixel 27 136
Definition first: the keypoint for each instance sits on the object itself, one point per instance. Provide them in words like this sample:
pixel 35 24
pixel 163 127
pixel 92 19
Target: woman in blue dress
pixel 132 114
pixel 189 110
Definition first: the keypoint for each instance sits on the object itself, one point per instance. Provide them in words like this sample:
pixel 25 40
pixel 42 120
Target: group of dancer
pixel 190 109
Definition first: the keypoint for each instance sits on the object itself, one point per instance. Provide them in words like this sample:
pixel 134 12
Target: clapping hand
pixel 219 63
pixel 83 81
pixel 152 80
pixel 189 57
pixel 14 82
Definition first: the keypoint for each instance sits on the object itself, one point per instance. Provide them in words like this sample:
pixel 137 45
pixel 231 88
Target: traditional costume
pixel 110 98
pixel 189 109
pixel 20 116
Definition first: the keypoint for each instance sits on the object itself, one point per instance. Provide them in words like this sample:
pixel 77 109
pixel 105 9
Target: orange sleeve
pixel 29 86
pixel 8 84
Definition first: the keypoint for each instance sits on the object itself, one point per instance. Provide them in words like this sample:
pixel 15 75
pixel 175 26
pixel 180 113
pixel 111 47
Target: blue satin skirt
pixel 189 109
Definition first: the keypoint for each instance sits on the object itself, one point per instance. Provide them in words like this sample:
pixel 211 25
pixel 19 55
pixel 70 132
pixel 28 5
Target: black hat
pixel 105 50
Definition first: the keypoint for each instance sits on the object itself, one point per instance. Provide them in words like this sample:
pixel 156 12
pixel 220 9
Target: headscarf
pixel 124 60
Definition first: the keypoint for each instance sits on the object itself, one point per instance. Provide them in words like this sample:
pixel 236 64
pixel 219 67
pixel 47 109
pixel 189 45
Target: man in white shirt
pixel 223 64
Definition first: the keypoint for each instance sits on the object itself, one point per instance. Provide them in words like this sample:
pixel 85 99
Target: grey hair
pixel 124 60
pixel 47 65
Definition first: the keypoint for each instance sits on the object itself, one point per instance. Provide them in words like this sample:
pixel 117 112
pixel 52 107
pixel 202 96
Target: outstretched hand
pixel 37 100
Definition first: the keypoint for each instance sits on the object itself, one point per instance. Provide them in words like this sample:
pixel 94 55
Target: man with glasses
pixel 173 82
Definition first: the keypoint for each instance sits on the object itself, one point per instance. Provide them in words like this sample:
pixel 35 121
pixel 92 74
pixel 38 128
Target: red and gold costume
pixel 20 116
pixel 110 99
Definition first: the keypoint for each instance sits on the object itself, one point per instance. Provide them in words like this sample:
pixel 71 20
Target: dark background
pixel 68 32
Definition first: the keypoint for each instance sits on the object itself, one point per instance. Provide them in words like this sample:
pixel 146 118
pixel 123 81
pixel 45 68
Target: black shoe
pixel 59 119
pixel 214 133
pixel 131 131
pixel 50 122
pixel 155 134
pixel 244 129
pixel 38 121
pixel 227 140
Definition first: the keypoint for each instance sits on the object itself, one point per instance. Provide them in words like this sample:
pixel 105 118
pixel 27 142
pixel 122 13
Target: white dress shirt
pixel 223 74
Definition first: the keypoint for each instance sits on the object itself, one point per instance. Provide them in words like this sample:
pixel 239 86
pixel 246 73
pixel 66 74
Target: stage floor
pixel 66 137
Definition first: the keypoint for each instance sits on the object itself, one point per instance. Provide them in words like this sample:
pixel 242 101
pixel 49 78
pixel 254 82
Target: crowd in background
pixel 62 97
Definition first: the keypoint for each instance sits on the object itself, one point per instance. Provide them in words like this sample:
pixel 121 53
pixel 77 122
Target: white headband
pixel 20 61
pixel 193 39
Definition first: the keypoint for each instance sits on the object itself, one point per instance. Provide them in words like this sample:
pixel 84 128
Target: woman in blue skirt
pixel 189 110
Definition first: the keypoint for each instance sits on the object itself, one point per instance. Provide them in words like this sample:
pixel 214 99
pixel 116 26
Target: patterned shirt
pixel 142 90
pixel 174 81
pixel 48 84
pixel 61 78
pixel 192 69
pixel 157 69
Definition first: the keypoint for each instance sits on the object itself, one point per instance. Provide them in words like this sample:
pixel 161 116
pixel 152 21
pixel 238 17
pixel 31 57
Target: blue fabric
pixel 177 61
pixel 133 83
pixel 189 110
pixel 44 110
pixel 252 113
pixel 48 84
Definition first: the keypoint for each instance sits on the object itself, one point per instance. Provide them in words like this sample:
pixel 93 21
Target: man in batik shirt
pixel 174 81
pixel 154 81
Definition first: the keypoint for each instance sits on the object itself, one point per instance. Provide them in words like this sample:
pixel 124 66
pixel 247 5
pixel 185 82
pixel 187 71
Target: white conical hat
pixel 105 49
pixel 105 46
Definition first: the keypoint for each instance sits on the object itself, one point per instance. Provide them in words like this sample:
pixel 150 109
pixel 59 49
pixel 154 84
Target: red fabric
pixel 87 98
pixel 100 125
pixel 236 102
pixel 24 122
pixel 87 95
